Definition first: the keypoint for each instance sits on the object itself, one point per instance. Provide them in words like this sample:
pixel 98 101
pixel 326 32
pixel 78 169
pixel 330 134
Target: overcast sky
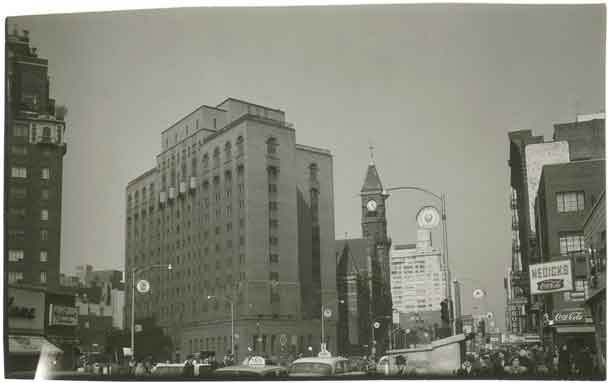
pixel 434 88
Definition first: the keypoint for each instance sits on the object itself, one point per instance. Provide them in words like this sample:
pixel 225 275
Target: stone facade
pixel 244 215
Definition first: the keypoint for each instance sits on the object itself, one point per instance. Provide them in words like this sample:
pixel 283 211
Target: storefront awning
pixel 574 329
pixel 31 344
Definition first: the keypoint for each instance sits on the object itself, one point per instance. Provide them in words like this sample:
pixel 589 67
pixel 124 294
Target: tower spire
pixel 371 149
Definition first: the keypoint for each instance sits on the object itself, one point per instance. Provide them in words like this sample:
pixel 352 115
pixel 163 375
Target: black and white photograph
pixel 296 192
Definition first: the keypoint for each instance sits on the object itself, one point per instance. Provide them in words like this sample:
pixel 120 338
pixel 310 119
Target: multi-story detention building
pixel 245 217
pixel 34 150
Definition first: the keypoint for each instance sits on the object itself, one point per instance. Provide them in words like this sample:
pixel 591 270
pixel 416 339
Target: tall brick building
pixel 567 193
pixel 33 152
pixel 244 214
pixel 574 141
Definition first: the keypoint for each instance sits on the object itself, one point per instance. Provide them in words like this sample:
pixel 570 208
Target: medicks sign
pixel 551 277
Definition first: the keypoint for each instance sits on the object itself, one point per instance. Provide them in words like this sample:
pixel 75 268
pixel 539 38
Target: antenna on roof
pixel 371 148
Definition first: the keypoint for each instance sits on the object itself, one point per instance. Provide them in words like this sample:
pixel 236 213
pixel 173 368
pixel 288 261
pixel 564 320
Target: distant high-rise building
pixel 243 214
pixel 418 280
pixel 33 169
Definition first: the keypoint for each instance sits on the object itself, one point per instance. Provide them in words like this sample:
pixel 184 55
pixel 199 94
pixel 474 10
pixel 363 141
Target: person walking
pixel 564 361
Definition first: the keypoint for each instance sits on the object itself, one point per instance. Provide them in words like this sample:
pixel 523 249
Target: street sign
pixel 327 313
pixel 259 339
pixel 283 339
pixel 127 351
pixel 138 328
pixel 236 336
pixel 377 325
pixel 143 286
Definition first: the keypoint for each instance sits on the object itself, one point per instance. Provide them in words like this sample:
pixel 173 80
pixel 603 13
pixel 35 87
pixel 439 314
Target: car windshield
pixel 315 368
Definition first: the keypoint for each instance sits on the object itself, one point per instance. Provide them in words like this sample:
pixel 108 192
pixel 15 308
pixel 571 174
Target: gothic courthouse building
pixel 243 214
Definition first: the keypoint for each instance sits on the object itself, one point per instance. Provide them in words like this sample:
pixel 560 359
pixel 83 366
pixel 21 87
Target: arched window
pixel 216 157
pixel 313 171
pixel 46 133
pixel 271 145
pixel 227 150
pixel 205 161
pixel 240 145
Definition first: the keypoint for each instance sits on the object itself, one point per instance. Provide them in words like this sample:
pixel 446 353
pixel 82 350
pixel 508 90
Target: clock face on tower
pixel 371 205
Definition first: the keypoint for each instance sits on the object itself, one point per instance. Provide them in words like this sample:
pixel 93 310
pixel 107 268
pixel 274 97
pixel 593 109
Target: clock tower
pixel 374 231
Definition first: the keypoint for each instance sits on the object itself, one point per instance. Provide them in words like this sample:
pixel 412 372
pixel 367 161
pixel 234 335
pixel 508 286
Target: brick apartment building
pixel 243 214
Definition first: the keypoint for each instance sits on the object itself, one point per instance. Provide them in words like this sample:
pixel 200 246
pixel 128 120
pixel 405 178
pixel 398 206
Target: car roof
pixel 318 359
pixel 244 367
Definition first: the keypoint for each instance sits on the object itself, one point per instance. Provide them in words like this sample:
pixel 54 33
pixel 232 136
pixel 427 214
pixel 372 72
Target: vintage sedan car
pixel 322 366
pixel 247 371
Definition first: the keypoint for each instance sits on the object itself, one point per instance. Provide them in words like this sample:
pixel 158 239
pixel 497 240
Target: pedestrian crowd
pixel 560 362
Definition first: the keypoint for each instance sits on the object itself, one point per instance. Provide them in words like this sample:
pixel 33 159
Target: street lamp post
pixel 323 331
pixel 134 272
pixel 442 200
pixel 232 322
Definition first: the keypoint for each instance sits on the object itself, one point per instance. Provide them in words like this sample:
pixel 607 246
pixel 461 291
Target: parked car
pixel 322 366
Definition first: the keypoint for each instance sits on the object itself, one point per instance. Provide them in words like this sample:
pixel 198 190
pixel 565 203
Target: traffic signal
pixel 444 311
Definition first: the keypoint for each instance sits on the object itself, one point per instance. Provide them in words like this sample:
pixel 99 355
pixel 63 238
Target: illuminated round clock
pixel 371 205
pixel 428 217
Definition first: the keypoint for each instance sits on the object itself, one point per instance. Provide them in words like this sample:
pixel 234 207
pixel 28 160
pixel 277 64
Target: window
pixel 579 293
pixel 20 212
pixel 44 194
pixel 14 277
pixel 239 145
pixel 44 235
pixel 43 277
pixel 44 256
pixel 19 150
pixel 272 188
pixel 15 255
pixel 227 150
pixel 46 173
pixel 18 172
pixel 20 131
pixel 273 240
pixel 273 205
pixel 274 276
pixel 271 146
pixel 570 201
pixel 16 235
pixel 44 215
pixel 571 243
pixel 18 192
pixel 274 258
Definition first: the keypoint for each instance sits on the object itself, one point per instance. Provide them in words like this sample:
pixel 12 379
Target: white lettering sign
pixel 551 277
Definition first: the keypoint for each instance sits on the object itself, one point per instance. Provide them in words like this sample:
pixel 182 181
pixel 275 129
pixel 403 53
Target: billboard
pixel 63 315
pixel 551 277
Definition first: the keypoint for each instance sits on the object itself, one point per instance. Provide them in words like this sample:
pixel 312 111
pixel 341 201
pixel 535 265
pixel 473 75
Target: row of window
pixel 17 276
pixel 21 172
pixel 19 235
pixel 19 192
pixel 17 255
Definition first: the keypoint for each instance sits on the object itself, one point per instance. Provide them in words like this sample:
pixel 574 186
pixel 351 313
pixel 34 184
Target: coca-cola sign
pixel 551 277
pixel 550 284
pixel 578 316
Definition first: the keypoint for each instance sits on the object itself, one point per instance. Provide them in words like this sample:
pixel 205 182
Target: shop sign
pixel 561 317
pixel 63 315
pixel 551 277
